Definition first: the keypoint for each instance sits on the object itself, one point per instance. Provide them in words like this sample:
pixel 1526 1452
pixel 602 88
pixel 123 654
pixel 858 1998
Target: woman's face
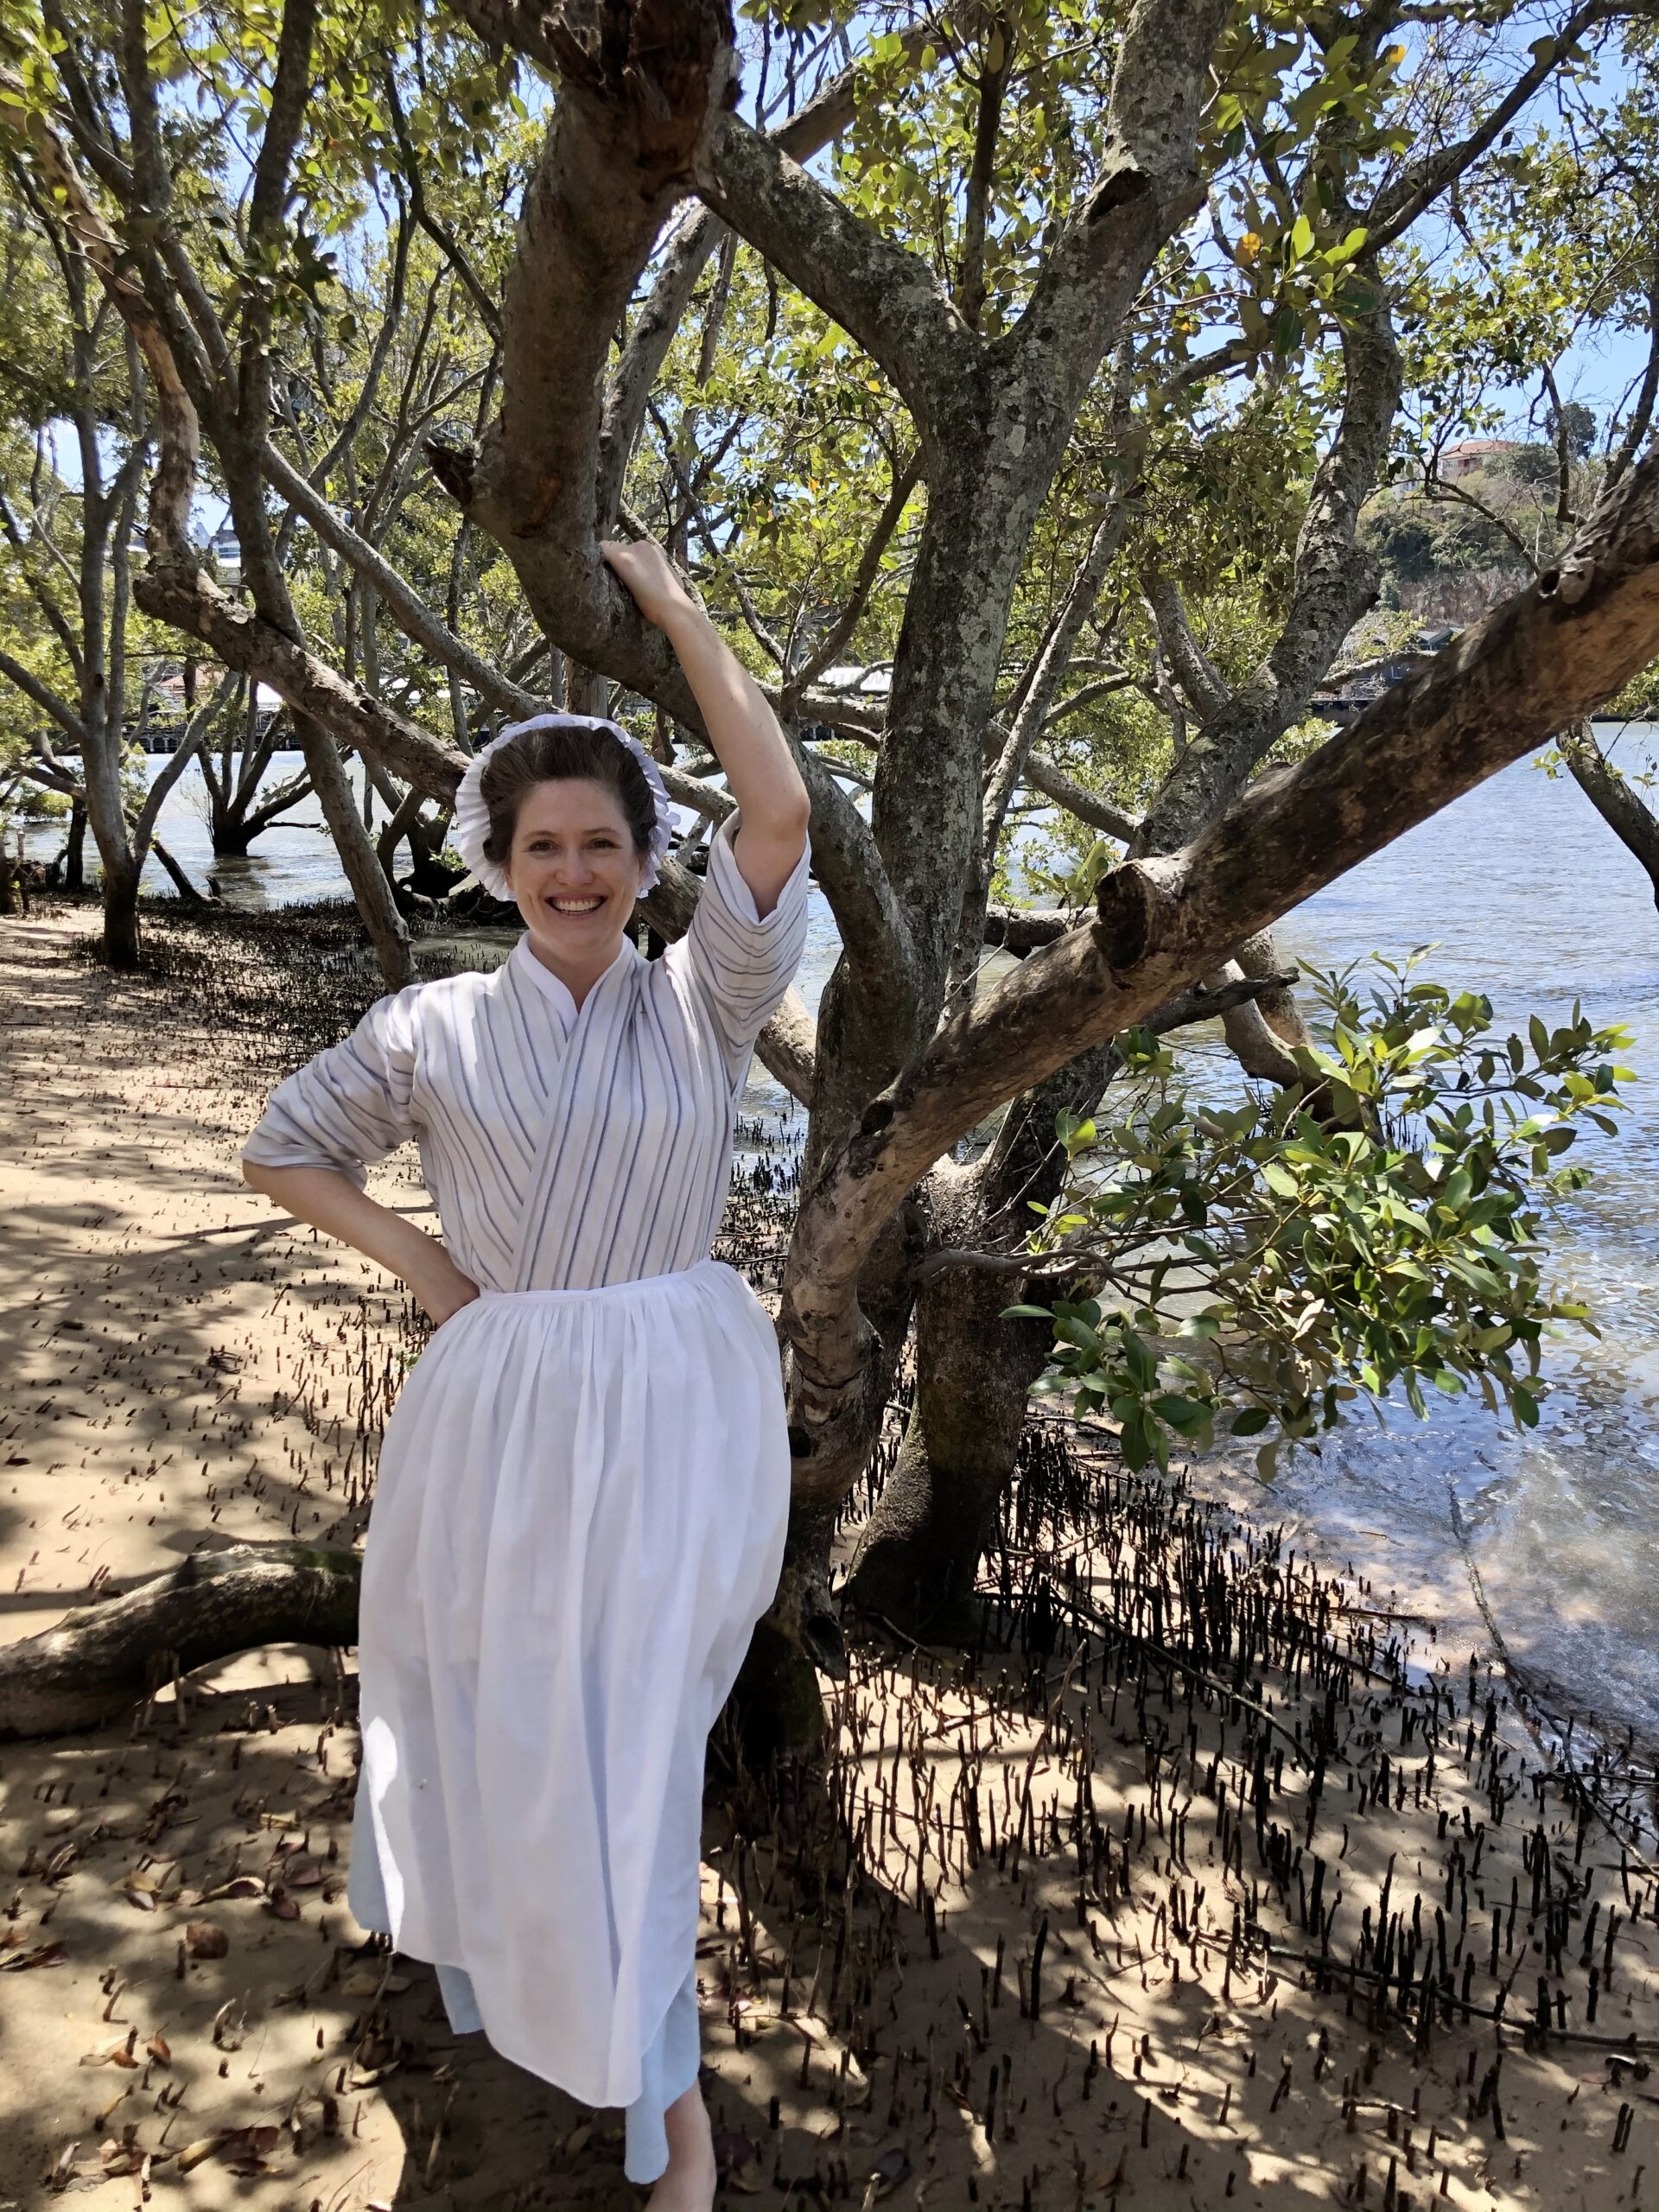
pixel 573 869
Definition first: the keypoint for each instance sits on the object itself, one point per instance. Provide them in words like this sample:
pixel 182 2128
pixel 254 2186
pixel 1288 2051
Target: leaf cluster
pixel 1371 1233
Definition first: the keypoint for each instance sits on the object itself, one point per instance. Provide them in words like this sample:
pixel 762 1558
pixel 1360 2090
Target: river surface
pixel 1529 898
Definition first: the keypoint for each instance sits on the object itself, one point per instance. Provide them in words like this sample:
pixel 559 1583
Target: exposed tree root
pixel 101 1659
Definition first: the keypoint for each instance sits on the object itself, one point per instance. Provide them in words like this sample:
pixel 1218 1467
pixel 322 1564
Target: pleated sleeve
pixel 741 962
pixel 349 1105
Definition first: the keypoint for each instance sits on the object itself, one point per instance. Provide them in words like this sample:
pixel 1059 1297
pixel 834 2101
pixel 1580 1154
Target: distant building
pixel 861 683
pixel 1470 455
pixel 226 552
pixel 169 712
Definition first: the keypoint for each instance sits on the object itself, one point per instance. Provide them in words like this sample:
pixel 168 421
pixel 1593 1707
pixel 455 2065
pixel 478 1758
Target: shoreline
pixel 1062 1942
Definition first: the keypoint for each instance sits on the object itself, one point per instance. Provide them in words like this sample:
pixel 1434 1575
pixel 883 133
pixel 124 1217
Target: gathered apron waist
pixel 674 1279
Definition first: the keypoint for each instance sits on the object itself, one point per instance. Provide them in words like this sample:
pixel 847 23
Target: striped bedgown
pixel 582 1490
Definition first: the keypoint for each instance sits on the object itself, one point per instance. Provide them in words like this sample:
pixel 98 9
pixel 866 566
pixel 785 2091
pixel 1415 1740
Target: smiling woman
pixel 583 1489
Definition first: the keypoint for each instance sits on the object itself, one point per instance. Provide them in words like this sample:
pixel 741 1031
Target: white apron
pixel 579 1518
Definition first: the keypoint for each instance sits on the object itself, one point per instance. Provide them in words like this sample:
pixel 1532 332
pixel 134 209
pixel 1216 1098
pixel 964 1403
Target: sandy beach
pixel 1206 1893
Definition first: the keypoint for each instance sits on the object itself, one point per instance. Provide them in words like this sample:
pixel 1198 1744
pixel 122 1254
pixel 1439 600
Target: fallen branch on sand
pixel 100 1660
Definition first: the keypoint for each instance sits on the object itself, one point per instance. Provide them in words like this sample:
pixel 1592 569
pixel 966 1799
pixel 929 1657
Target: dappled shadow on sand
pixel 1088 2006
pixel 185 1366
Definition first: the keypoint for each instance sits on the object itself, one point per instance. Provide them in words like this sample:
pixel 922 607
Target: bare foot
pixel 688 2185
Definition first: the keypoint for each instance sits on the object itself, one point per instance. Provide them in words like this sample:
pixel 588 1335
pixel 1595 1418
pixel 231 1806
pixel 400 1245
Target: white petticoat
pixel 579 1517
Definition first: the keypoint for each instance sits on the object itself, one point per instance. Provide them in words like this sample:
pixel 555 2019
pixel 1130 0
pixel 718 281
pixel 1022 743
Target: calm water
pixel 1529 899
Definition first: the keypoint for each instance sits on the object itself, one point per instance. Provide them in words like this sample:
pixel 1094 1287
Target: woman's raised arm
pixel 761 776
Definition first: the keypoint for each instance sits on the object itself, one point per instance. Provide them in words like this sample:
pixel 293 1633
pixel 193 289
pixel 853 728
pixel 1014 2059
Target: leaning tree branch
pixel 1613 798
pixel 1147 185
pixel 1088 806
pixel 993 79
pixel 875 933
pixel 1399 205
pixel 200 361
pixel 1103 686
pixel 699 235
pixel 887 298
pixel 1032 716
pixel 346 435
pixel 1207 691
pixel 514 26
pixel 1436 486
pixel 243 640
pixel 43 695
pixel 439 232
pixel 628 131
pixel 824 654
pixel 1545 658
pixel 1635 435
pixel 402 601
pixel 99 1660
pixel 617 153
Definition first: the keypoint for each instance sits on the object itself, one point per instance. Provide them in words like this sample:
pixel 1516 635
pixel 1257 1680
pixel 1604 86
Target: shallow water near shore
pixel 1529 898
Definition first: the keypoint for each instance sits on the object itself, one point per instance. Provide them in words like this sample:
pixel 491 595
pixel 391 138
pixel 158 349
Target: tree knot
pixel 663 65
pixel 1123 906
pixel 1119 187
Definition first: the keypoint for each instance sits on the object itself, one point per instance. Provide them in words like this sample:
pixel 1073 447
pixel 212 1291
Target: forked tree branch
pixel 886 297
pixel 1397 207
pixel 1544 659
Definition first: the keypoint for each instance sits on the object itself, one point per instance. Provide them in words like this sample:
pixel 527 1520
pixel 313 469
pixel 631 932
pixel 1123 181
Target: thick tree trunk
pixel 777 1703
pixel 75 850
pixel 920 1550
pixel 100 1660
pixel 8 882
pixel 231 838
pixel 121 915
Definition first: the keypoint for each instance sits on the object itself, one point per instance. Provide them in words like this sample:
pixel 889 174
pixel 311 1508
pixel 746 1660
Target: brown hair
pixel 550 755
